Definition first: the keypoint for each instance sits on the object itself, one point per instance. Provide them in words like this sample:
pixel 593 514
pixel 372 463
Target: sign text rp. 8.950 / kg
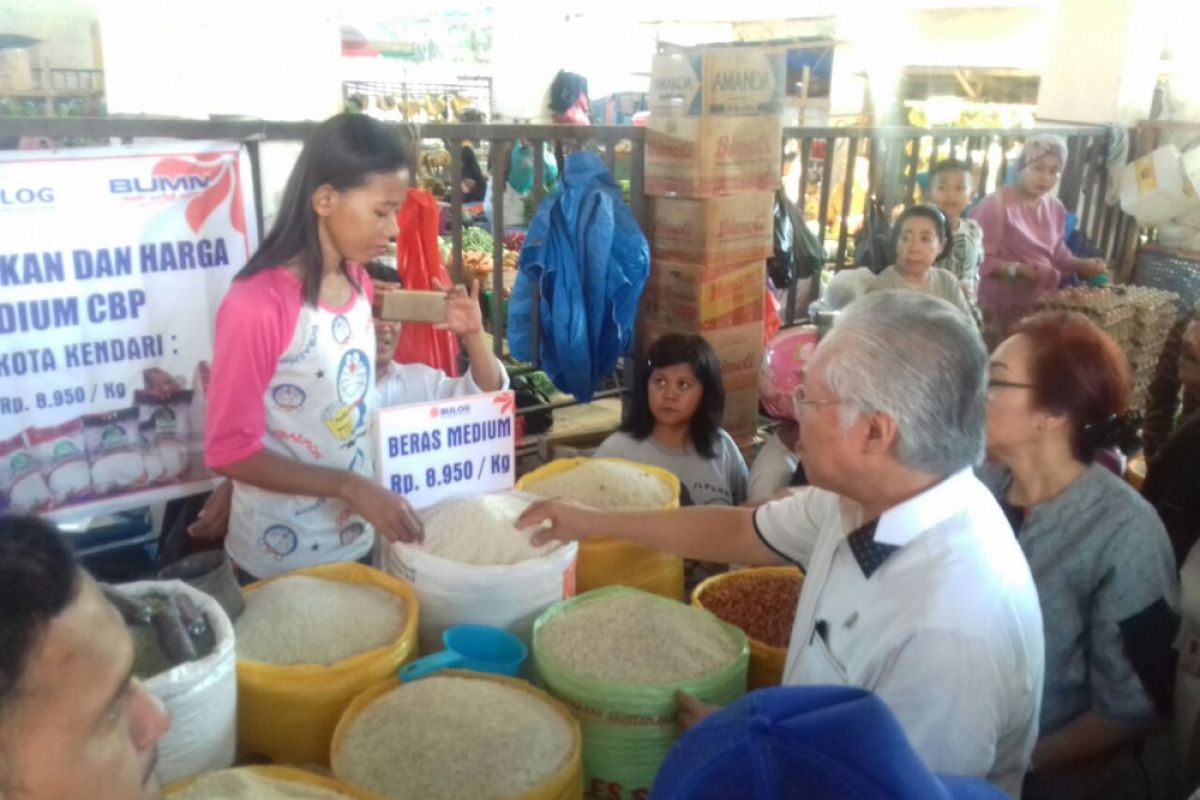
pixel 430 452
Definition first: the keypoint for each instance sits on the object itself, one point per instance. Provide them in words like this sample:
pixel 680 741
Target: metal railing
pixel 893 158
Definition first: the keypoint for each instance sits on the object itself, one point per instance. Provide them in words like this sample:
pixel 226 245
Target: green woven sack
pixel 628 727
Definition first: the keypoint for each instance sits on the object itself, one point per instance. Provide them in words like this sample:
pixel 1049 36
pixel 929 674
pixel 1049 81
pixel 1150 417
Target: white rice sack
pixel 22 487
pixel 114 450
pixel 236 784
pixel 60 452
pixel 304 620
pixel 635 638
pixel 606 485
pixel 479 530
pixel 448 738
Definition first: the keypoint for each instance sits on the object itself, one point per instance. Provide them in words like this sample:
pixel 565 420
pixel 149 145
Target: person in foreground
pixel 1059 392
pixel 808 743
pixel 915 589
pixel 74 722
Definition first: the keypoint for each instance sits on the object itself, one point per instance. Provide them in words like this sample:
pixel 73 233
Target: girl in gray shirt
pixel 674 422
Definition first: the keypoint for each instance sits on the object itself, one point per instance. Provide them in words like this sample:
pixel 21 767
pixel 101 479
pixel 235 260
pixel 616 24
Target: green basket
pixel 628 728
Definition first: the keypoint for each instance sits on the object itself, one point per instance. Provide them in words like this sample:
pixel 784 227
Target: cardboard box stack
pixel 712 166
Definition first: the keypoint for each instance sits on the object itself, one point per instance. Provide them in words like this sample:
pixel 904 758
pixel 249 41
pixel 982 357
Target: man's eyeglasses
pixel 800 401
pixel 997 384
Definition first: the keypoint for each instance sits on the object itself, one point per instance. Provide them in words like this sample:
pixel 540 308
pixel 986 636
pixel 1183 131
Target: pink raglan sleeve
pixel 255 324
pixel 987 214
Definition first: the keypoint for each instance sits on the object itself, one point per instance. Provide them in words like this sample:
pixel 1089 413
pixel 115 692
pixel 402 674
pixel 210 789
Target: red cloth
pixel 419 263
pixel 771 321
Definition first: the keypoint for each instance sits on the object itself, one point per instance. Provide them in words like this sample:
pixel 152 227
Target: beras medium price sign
pixel 430 452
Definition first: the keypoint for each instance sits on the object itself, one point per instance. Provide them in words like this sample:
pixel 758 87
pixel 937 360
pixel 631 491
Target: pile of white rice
pixel 606 485
pixel 449 738
pixel 637 638
pixel 237 784
pixel 305 620
pixel 479 530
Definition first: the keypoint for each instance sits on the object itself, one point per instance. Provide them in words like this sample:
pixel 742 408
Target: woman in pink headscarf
pixel 1025 255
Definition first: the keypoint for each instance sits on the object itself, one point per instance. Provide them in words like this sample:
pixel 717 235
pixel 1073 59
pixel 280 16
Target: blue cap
pixel 810 742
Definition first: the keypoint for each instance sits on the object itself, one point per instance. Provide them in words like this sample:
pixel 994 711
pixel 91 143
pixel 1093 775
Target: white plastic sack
pixel 511 597
pixel 1155 188
pixel 201 696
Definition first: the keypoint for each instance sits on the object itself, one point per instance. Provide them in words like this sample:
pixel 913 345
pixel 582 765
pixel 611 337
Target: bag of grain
pixel 616 657
pixel 264 783
pixel 614 484
pixel 458 735
pixel 762 603
pixel 201 696
pixel 288 711
pixel 475 568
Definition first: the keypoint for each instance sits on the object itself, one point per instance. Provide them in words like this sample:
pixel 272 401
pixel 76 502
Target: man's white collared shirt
pixel 933 608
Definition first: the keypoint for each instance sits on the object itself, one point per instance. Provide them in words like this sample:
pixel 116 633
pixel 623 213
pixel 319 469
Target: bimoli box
pixel 739 349
pixel 741 413
pixel 724 230
pixel 713 155
pixel 725 79
pixel 704 298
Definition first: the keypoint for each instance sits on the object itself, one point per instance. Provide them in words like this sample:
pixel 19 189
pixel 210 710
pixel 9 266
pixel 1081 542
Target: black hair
pixel 927 211
pixel 697 353
pixel 344 152
pixel 39 578
pixel 950 165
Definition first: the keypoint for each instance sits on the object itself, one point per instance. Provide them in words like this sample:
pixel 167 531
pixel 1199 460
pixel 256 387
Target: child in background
pixel 292 392
pixel 951 189
pixel 675 423
pixel 402 384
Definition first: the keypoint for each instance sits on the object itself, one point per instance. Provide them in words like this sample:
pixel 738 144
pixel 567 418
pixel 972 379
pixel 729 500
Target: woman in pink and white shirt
pixel 1025 255
pixel 292 389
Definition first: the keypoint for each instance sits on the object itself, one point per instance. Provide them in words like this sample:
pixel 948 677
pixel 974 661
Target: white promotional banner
pixel 113 262
pixel 431 452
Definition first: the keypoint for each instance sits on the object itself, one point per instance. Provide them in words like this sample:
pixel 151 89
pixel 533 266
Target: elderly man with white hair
pixel 915 586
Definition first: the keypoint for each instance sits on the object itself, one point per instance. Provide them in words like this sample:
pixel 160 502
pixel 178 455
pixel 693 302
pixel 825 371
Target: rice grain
pixel 479 531
pixel 635 638
pixel 235 784
pixel 449 738
pixel 607 486
pixel 305 620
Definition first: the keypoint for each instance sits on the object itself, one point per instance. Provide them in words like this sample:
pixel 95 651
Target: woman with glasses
pixel 1025 253
pixel 1058 393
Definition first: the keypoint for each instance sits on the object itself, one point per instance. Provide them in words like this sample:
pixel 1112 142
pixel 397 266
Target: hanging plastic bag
pixel 628 728
pixel 873 245
pixel 288 713
pixel 521 168
pixel 200 696
pixel 419 263
pixel 798 255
